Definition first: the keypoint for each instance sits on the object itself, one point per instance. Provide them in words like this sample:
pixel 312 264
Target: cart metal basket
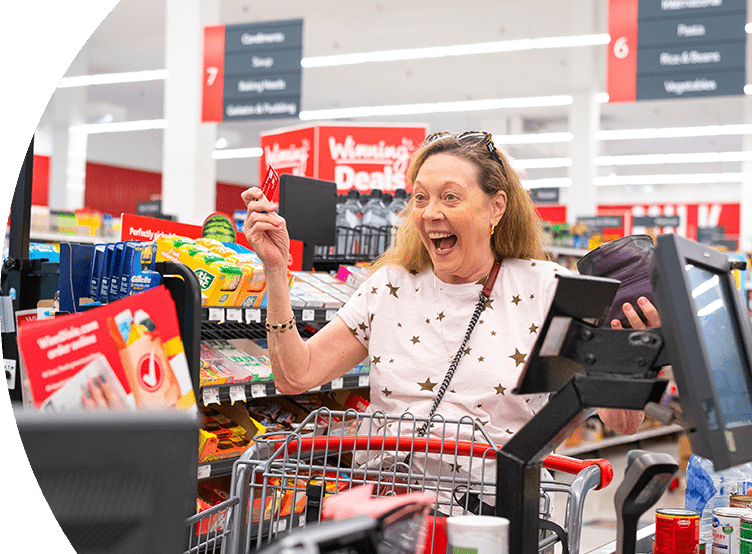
pixel 281 482
pixel 209 531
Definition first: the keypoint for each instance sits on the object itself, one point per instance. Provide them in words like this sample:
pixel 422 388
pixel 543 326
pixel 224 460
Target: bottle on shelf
pixel 349 222
pixel 375 224
pixel 395 209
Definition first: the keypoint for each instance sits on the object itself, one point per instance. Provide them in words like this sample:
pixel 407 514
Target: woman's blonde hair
pixel 517 235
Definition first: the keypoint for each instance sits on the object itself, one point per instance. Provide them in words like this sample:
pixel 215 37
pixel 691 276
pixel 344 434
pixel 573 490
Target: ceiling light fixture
pixel 541 163
pixel 496 47
pixel 676 132
pixel 113 78
pixel 237 153
pixel 677 158
pixel 670 179
pixel 551 182
pixel 437 107
pixel 534 138
pixel 120 126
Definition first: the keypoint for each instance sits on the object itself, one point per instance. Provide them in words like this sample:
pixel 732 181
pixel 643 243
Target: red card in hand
pixel 270 184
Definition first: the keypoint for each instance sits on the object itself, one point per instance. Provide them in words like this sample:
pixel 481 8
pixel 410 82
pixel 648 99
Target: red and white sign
pixel 354 157
pixel 621 56
pixel 691 216
pixel 214 73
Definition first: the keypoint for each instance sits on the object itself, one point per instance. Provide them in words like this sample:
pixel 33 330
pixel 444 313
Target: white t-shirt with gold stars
pixel 413 326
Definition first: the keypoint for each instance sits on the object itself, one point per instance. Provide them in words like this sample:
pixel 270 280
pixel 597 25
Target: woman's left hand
pixel 647 307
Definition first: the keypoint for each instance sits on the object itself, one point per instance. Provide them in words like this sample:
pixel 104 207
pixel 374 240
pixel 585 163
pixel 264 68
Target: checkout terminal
pixel 705 336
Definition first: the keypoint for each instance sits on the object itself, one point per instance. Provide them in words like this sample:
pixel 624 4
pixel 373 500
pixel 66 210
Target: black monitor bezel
pixel 686 346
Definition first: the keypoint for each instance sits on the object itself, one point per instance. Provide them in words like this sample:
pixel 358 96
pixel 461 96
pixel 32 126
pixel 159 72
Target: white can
pixel 477 535
pixel 726 526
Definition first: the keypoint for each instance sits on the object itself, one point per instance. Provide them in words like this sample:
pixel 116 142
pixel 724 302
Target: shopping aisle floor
pixel 599 518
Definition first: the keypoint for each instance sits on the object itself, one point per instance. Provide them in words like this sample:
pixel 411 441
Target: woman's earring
pixel 493 228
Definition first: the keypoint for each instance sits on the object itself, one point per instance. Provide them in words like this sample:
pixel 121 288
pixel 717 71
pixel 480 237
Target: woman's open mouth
pixel 443 242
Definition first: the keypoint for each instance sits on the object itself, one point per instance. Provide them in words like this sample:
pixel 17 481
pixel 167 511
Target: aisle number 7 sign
pixel 252 71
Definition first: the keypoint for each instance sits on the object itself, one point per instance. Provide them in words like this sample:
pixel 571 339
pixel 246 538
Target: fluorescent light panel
pixel 120 126
pixel 437 107
pixel 113 78
pixel 678 158
pixel 670 179
pixel 235 153
pixel 551 182
pixel 456 50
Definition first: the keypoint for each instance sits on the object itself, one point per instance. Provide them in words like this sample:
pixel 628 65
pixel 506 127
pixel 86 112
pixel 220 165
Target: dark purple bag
pixel 629 260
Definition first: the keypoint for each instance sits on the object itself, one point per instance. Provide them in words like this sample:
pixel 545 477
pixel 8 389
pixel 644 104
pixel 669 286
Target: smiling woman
pixel 451 310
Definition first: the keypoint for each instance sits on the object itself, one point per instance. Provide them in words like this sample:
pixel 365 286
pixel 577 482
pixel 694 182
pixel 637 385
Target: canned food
pixel 740 501
pixel 677 531
pixel 745 546
pixel 726 523
pixel 745 527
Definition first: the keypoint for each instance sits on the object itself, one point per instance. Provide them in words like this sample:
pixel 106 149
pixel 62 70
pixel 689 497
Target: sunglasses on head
pixel 472 138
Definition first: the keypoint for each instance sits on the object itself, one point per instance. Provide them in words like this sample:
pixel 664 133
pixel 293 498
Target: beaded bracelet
pixel 280 327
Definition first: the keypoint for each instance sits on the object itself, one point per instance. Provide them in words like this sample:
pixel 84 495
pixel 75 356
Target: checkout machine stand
pixel 621 368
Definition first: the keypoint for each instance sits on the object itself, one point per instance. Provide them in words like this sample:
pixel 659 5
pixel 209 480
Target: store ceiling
pixel 132 39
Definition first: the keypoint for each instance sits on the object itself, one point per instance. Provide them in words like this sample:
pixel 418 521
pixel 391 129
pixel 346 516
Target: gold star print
pixel 532 297
pixel 392 290
pixel 391 361
pixel 413 272
pixel 376 360
pixel 428 321
pixel 487 304
pixel 370 320
pixel 467 350
pixel 516 300
pixel 507 430
pixel 493 333
pixel 481 359
pixel 373 290
pixel 518 357
pixel 363 326
pixel 533 329
pixel 415 340
pixel 386 392
pixel 454 468
pixel 532 264
pixel 483 423
pixel 453 391
pixel 479 406
pixel 481 322
pixel 399 325
pixel 354 331
pixel 441 316
pixel 428 385
pixel 417 289
pixel 500 389
pixel 527 400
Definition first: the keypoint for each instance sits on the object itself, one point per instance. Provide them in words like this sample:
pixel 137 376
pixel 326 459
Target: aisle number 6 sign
pixel 621 48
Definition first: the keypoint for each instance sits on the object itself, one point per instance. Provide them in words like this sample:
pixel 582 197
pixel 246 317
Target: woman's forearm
pixel 288 352
pixel 622 421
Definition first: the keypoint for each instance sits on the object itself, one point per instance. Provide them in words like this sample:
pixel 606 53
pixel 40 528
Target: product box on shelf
pixel 129 350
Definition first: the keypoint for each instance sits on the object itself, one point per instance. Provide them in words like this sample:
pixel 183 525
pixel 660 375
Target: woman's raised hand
pixel 647 307
pixel 265 230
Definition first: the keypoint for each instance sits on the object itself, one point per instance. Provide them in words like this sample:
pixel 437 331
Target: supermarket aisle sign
pixel 252 71
pixel 675 49
pixel 361 157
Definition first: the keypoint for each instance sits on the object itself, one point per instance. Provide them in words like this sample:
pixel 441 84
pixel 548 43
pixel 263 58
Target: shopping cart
pixel 209 530
pixel 281 482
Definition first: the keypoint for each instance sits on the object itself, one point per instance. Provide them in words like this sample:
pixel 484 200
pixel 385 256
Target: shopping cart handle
pixel 557 462
pixel 415 444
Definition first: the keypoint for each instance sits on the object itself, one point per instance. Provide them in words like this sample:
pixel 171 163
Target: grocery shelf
pixel 60 237
pixel 620 439
pixel 217 468
pixel 243 392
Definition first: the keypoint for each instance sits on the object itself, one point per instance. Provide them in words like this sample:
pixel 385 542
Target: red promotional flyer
pixel 131 348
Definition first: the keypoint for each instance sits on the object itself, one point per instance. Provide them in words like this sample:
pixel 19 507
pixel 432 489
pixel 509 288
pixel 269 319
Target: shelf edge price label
pixel 210 395
pixel 308 315
pixel 330 314
pixel 234 314
pixel 258 391
pixel 237 393
pixel 253 315
pixel 217 314
pixel 363 380
pixel 338 383
pixel 204 471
